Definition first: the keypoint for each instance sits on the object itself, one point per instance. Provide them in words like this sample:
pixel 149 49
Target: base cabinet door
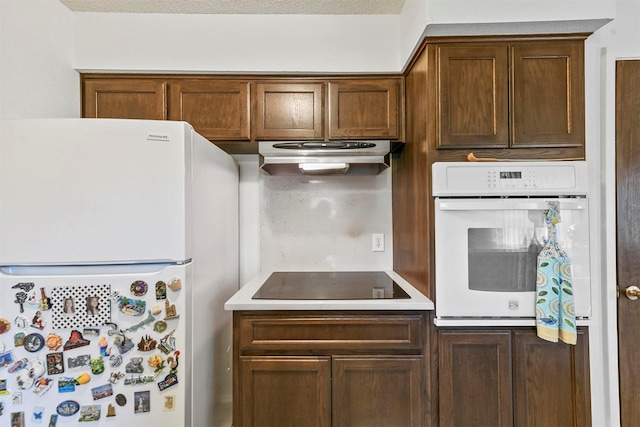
pixel 377 391
pixel 286 391
pixel 475 384
pixel 510 377
pixel 551 381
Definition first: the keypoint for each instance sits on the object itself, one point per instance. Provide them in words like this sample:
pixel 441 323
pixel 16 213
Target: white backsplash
pixel 312 223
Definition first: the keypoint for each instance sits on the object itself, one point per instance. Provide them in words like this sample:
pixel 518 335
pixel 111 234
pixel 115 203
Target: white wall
pixel 37 78
pixel 236 43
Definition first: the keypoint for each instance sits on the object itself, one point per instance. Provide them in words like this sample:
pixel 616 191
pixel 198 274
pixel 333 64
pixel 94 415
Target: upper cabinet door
pixel 289 111
pixel 547 81
pixel 472 96
pixel 364 109
pixel 217 109
pixel 124 99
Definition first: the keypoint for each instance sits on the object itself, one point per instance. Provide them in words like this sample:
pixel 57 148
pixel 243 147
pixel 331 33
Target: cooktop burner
pixel 334 285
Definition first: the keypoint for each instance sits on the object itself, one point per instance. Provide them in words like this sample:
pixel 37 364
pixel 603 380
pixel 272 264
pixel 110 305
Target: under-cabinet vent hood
pixel 324 157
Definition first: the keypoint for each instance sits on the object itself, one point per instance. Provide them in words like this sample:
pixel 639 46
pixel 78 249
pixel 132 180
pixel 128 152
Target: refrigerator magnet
pixel 175 284
pixel 17 419
pixel 161 290
pixel 75 340
pixel 42 385
pixel 89 413
pixel 37 321
pixel 102 391
pixel 37 413
pixel 6 359
pixel 33 342
pixel 111 410
pixel 21 297
pixel 132 307
pixel 66 385
pixel 169 381
pixel 139 288
pixel 121 400
pixel 142 401
pixel 53 341
pixel 55 363
pixel 4 325
pixel 170 310
pixel 147 343
pixel 67 408
pixel 25 286
pixel 18 339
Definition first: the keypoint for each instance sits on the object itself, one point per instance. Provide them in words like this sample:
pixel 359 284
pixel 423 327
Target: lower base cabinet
pixel 510 377
pixel 329 369
pixel 331 391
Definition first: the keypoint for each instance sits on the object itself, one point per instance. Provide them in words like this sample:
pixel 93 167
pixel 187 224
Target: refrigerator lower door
pixel 91 343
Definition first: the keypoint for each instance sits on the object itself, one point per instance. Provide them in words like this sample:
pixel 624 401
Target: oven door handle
pixel 508 204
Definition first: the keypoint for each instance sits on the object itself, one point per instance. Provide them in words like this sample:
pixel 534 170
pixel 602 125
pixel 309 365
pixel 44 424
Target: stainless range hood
pixel 324 157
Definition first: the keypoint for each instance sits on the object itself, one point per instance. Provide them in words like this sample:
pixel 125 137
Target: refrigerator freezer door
pixel 90 191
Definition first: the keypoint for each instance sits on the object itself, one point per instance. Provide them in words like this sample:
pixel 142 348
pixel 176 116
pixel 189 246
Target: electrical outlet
pixel 377 242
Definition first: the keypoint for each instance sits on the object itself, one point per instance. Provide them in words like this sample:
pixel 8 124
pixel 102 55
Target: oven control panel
pixel 503 179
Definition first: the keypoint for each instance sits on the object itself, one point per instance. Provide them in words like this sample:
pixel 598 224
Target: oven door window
pixel 504 259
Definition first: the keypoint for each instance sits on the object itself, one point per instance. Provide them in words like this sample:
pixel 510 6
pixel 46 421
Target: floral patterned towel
pixel 555 314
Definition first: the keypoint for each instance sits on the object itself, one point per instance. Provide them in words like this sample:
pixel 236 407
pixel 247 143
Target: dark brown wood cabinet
pixel 285 391
pixel 509 376
pixel 218 109
pixel 130 98
pixel 330 368
pixel 505 97
pixel 232 111
pixel 511 94
pixel 289 111
pixel 364 109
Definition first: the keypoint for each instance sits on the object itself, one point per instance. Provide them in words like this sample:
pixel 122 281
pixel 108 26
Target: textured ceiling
pixel 260 7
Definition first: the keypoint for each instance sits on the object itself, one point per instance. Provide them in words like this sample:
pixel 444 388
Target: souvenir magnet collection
pixel 30 375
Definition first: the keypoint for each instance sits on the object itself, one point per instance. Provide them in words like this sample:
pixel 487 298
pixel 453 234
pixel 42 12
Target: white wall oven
pixel 489 229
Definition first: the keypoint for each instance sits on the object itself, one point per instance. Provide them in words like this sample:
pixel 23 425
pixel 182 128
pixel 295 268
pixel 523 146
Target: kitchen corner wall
pixel 313 223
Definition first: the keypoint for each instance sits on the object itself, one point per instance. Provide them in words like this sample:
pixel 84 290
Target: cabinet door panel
pixel 475 378
pixel 288 111
pixel 218 110
pixel 551 381
pixel 364 109
pixel 377 391
pixel 285 391
pixel 548 94
pixel 124 99
pixel 472 89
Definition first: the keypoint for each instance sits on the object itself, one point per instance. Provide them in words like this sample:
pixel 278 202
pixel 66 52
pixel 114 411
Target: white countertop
pixel 242 300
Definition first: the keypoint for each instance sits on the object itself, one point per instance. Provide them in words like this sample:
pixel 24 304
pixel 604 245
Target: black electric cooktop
pixel 334 285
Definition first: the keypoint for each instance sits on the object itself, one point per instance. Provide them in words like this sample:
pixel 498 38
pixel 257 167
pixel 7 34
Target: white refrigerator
pixel 118 249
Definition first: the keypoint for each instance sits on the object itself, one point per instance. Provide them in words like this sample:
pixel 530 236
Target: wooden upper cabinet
pixel 364 109
pixel 289 111
pixel 472 90
pixel 217 109
pixel 520 94
pixel 124 99
pixel 547 83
